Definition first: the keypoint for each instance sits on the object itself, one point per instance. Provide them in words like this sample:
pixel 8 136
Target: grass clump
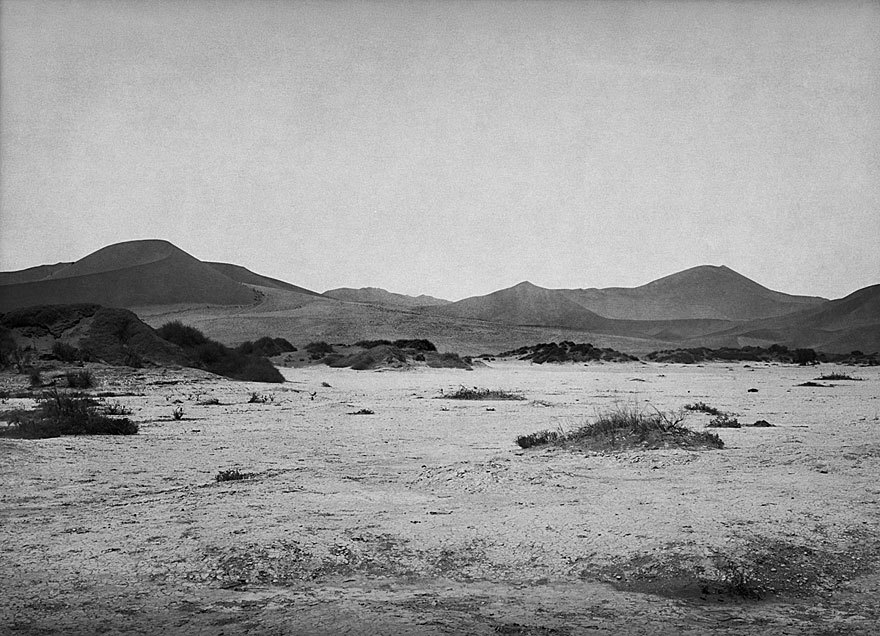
pixel 82 379
pixel 68 414
pixel 702 407
pixel 232 475
pixel 177 413
pixel 838 376
pixel 724 421
pixel 627 428
pixel 257 398
pixel 475 393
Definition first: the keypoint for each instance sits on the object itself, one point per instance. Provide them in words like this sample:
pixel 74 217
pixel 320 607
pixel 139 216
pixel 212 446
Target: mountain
pixel 246 276
pixel 377 296
pixel 130 274
pixel 837 326
pixel 700 292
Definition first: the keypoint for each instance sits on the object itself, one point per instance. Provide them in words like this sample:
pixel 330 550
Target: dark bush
pixel 182 335
pixel 624 428
pixel 65 352
pixel 702 407
pixel 82 379
pixel 232 475
pixel 266 347
pixel 35 376
pixel 214 357
pixel 418 345
pixel 318 349
pixel 724 421
pixel 369 344
pixel 804 356
pixel 68 414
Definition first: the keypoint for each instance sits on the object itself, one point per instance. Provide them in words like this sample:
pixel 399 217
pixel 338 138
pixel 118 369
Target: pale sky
pixel 448 148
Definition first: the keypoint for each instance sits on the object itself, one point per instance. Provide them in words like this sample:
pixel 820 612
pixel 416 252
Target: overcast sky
pixel 449 148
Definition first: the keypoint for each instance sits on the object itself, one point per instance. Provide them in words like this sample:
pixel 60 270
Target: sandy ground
pixel 426 518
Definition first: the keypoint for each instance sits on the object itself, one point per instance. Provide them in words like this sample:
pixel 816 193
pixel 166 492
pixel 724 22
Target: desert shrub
pixel 65 352
pixel 369 344
pixel 319 348
pixel 761 424
pixel 35 376
pixel 82 379
pixel 475 393
pixel 266 347
pixel 256 398
pixel 538 439
pixel 232 475
pixel 837 376
pixel 68 414
pixel 7 347
pixel 362 412
pixel 177 413
pixel 132 359
pixel 702 407
pixel 815 384
pixel 182 335
pixel 804 356
pixel 214 357
pixel 724 421
pixel 629 427
pixel 418 344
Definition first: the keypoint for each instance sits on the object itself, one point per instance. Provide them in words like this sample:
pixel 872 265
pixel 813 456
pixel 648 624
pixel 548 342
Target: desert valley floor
pixel 426 518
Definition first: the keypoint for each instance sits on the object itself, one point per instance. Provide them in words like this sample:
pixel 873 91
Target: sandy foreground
pixel 426 518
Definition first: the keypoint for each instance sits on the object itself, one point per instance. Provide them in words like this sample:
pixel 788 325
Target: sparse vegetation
pixel 567 351
pixel 232 475
pixel 257 398
pixel 702 407
pixel 318 350
pixel 363 412
pixel 724 421
pixel 177 413
pixel 266 347
pixel 35 376
pixel 67 414
pixel 475 393
pixel 82 379
pixel 838 376
pixel 65 352
pixel 627 427
pixel 214 357
pixel 810 383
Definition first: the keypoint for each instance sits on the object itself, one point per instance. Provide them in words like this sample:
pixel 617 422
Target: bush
pixel 81 379
pixel 464 393
pixel 231 475
pixel 68 414
pixel 177 413
pixel 214 357
pixel 318 349
pixel 65 352
pixel 35 376
pixel 369 344
pixel 418 344
pixel 724 421
pixel 266 347
pixel 182 335
pixel 627 427
pixel 804 356
pixel 132 359
pixel 702 407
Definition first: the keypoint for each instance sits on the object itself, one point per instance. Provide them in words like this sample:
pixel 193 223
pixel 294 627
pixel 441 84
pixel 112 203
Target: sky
pixel 448 148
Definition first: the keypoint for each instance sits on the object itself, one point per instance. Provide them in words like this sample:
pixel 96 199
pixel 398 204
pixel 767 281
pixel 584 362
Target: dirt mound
pixel 112 335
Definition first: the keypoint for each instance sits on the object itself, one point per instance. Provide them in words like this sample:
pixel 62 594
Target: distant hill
pixel 837 326
pixel 131 274
pixel 377 296
pixel 700 292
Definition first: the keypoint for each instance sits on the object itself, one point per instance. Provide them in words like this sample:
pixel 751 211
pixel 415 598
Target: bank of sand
pixel 426 518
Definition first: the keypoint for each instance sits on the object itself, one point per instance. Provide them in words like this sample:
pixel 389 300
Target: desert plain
pixel 425 517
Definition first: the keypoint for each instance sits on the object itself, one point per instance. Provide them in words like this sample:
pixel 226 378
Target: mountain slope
pixel 700 292
pixel 243 275
pixel 837 326
pixel 130 274
pixel 377 296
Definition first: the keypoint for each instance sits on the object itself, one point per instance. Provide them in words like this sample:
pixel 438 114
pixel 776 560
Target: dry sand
pixel 426 518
